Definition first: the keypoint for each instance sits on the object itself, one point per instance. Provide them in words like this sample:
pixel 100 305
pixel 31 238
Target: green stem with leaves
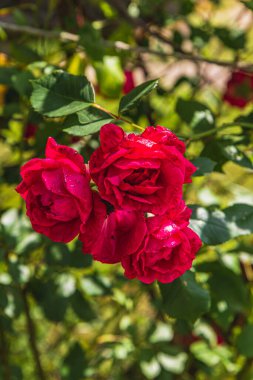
pixel 213 131
pixel 118 117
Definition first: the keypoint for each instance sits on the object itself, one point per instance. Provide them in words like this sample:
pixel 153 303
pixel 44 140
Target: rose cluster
pixel 137 216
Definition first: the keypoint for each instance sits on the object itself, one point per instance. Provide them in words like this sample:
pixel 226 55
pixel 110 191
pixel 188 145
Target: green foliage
pixel 74 363
pixel 132 98
pixel 184 298
pixel 218 226
pixel 244 341
pixel 110 76
pixel 86 122
pixel 61 94
pixel 204 166
pixel 196 115
pixel 248 4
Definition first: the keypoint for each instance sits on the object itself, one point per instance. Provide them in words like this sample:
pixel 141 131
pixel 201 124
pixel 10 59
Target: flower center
pixel 138 176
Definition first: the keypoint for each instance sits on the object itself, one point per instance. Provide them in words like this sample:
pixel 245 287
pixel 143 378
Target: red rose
pixel 166 252
pixel 239 91
pixel 57 192
pixel 163 136
pixel 110 234
pixel 136 172
pixel 129 82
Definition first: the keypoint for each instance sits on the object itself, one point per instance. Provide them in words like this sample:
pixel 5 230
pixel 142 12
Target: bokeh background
pixel 64 317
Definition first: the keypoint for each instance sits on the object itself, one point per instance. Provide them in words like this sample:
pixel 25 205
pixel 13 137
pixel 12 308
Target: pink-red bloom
pixel 110 234
pixel 166 252
pixel 149 248
pixel 140 172
pixel 239 91
pixel 57 192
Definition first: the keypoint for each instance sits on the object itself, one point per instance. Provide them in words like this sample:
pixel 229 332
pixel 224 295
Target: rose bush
pixel 64 315
pixel 57 192
pixel 140 172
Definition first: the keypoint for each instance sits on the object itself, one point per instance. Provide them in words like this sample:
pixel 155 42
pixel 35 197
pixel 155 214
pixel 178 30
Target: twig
pixel 119 45
pixel 32 336
pixel 117 117
pixel 213 131
pixel 64 36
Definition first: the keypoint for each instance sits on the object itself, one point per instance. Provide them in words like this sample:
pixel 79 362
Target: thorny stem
pixel 32 337
pixel 117 117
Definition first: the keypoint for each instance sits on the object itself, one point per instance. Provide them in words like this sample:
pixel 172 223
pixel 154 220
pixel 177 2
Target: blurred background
pixel 64 317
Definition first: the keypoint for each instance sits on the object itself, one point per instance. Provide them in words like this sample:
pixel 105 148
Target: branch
pixel 119 45
pixel 32 336
pixel 64 36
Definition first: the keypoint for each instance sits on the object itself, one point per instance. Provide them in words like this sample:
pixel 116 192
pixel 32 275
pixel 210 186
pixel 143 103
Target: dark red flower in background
pixel 129 84
pixel 30 130
pixel 239 91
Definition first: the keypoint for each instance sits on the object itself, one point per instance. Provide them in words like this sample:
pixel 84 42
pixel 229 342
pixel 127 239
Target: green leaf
pixel 82 307
pixel 232 38
pixel 53 304
pixel 77 259
pixel 74 364
pixel 225 285
pixel 133 97
pixel 198 116
pixel 248 4
pixel 199 36
pixel 216 227
pixel 244 341
pixel 6 74
pixel 86 122
pixel 21 83
pixel 185 298
pixel 221 152
pixel 150 369
pixel 204 166
pixel 61 94
pixel 92 41
pixel 110 76
pixel 3 297
pixel 232 153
